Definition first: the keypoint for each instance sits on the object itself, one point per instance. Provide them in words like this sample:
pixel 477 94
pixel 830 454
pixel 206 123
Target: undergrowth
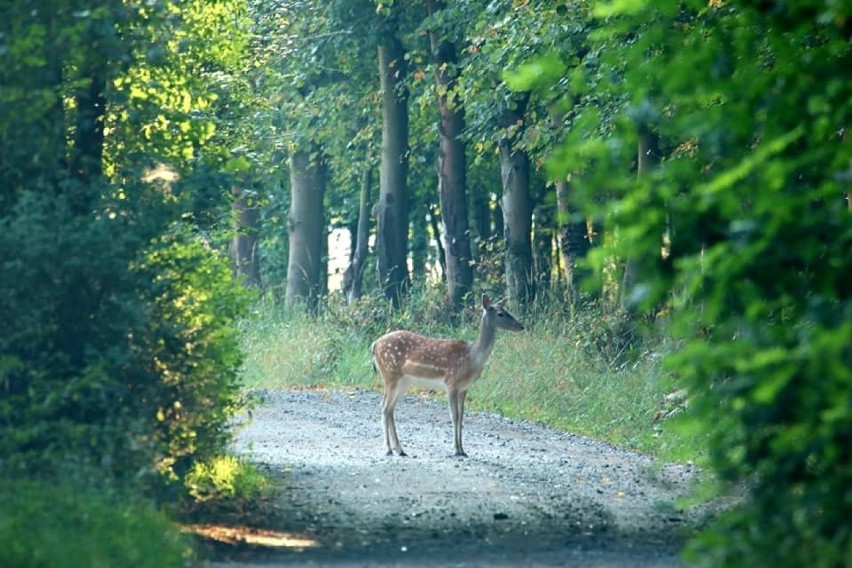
pixel 50 523
pixel 586 372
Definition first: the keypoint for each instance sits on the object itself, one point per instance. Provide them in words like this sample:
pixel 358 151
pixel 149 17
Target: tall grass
pixel 577 373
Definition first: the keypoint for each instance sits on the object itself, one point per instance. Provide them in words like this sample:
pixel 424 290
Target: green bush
pixel 740 229
pixel 118 348
pixel 225 477
pixel 46 525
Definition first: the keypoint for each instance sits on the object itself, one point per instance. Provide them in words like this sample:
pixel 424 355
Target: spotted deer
pixel 404 358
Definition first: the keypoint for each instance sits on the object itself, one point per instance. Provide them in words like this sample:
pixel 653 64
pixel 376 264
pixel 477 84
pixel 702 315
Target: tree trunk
pixel 86 155
pixel 306 229
pixel 353 276
pixel 481 219
pixel 543 247
pixel 573 229
pixel 434 215
pixel 452 184
pixel 244 247
pixel 647 158
pixel 392 209
pixel 574 238
pixel 517 208
pixel 418 242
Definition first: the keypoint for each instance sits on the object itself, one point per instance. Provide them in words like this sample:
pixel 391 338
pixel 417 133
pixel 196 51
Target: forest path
pixel 526 496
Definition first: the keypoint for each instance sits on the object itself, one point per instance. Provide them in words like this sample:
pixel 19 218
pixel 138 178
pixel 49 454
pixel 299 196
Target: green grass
pixel 574 373
pixel 47 524
pixel 225 477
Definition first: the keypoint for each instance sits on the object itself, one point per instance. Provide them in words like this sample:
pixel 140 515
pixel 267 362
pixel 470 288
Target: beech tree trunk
pixel 647 157
pixel 517 207
pixel 574 238
pixel 452 183
pixel 543 247
pixel 244 246
pixel 306 227
pixel 353 275
pixel 392 207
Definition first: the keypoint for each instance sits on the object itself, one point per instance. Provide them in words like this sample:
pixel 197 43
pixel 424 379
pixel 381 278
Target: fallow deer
pixel 404 358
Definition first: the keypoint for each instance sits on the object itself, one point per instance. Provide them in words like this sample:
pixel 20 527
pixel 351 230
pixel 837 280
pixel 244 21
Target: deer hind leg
pixel 457 413
pixel 392 394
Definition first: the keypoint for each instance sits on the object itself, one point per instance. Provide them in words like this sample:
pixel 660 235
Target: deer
pixel 404 358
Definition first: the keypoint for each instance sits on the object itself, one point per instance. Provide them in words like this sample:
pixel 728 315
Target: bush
pixel 45 525
pixel 742 218
pixel 118 349
pixel 225 477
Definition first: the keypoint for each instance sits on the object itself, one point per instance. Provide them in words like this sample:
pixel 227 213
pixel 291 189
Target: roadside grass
pixel 224 478
pixel 45 523
pixel 575 373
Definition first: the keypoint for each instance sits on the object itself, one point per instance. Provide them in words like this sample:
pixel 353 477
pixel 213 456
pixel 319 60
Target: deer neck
pixel 481 349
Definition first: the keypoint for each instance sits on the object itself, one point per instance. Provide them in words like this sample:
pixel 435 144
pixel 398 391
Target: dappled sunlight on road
pixel 251 536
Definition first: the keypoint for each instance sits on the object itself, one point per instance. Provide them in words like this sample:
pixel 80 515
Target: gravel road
pixel 526 496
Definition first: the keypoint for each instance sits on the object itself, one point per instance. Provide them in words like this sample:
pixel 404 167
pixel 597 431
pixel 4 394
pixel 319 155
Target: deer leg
pixel 462 397
pixel 388 423
pixel 457 413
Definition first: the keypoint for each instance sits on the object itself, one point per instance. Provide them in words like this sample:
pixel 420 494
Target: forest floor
pixel 526 496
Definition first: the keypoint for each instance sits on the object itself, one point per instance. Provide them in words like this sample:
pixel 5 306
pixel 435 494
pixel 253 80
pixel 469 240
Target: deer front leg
pixel 457 413
pixel 388 423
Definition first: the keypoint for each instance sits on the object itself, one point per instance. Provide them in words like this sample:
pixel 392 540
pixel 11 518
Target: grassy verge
pixel 55 524
pixel 570 373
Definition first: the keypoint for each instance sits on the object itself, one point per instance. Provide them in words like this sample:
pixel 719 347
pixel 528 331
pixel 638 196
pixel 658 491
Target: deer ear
pixel 486 303
pixel 502 303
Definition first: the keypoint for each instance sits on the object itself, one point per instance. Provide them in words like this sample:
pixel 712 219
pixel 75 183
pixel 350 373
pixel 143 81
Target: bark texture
pixel 452 183
pixel 306 228
pixel 392 207
pixel 517 207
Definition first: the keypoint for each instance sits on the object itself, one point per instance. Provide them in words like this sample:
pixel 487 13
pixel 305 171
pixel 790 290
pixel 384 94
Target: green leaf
pixel 619 8
pixel 238 164
pixel 540 73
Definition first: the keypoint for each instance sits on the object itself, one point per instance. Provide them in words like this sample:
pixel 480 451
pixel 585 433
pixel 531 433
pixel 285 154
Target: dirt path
pixel 526 496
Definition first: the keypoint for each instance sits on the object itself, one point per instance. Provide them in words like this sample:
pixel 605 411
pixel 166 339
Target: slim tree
pixel 516 203
pixel 352 277
pixel 306 229
pixel 452 185
pixel 244 246
pixel 392 208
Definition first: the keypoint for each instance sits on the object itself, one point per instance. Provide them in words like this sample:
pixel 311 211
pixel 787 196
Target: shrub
pixel 47 524
pixel 118 349
pixel 742 218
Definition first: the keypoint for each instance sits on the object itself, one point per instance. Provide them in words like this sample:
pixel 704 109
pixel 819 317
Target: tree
pixel 306 229
pixel 392 208
pixel 516 203
pixel 352 277
pixel 452 187
pixel 244 246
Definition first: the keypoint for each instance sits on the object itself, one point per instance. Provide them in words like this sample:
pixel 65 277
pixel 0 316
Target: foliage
pixel 751 107
pixel 225 477
pixel 46 524
pixel 118 352
pixel 195 352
